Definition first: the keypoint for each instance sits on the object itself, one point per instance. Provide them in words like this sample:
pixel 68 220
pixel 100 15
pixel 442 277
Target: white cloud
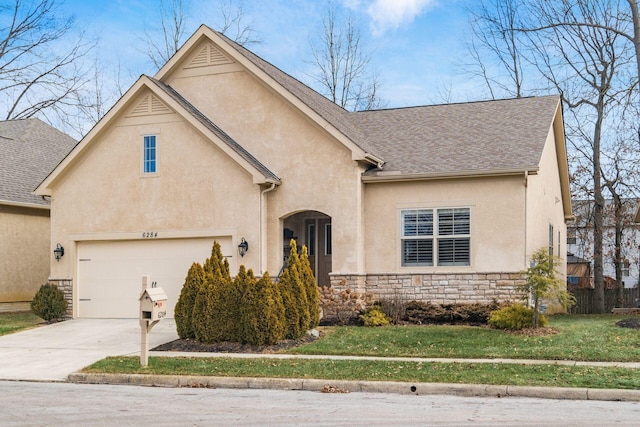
pixel 391 14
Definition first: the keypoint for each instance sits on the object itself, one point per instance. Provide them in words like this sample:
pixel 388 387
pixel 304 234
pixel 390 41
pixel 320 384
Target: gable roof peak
pixel 330 116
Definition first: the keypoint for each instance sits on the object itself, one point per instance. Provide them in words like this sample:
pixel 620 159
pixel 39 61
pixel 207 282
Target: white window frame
pixel 431 234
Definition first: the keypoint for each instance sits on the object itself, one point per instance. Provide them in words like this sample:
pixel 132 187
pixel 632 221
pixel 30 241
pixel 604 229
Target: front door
pixel 318 240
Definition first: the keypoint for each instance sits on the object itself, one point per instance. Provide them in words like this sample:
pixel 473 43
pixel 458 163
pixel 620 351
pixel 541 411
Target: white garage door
pixel 110 272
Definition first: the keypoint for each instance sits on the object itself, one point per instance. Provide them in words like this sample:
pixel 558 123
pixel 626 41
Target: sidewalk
pixel 321 385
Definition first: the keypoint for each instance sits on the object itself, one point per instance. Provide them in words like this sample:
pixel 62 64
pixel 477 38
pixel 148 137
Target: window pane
pixel 454 252
pixel 327 239
pixel 453 221
pixel 417 223
pixel 149 154
pixel 417 252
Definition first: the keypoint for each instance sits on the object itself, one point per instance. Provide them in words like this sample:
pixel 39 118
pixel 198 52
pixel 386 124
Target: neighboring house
pixel 442 203
pixel 29 150
pixel 580 242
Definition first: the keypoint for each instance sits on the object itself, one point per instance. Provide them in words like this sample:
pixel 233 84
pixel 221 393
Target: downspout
pixel 526 219
pixel 263 226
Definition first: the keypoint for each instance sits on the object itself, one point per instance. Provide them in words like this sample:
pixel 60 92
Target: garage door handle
pixel 85 299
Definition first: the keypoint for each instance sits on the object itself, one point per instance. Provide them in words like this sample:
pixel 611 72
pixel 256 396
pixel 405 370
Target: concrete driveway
pixel 52 352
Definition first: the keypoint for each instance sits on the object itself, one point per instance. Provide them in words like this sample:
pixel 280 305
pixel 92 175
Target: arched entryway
pixel 312 229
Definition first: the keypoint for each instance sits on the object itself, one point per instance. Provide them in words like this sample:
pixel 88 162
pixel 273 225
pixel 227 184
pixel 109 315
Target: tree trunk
pixel 598 213
pixel 618 258
pixel 633 4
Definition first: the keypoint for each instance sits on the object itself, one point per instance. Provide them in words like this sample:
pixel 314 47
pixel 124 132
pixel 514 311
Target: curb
pixel 319 385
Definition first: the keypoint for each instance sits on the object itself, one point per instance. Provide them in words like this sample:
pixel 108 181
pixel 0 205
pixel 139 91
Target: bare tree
pixel 581 49
pixel 586 64
pixel 235 26
pixel 38 76
pixel 342 66
pixel 162 45
pixel 495 35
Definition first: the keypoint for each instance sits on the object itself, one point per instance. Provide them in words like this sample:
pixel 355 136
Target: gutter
pixel 25 205
pixel 397 176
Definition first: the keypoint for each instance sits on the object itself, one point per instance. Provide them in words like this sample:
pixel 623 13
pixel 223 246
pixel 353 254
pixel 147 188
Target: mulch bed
pixel 190 345
pixel 633 323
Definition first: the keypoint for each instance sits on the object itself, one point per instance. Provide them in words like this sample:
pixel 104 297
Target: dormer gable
pixel 142 93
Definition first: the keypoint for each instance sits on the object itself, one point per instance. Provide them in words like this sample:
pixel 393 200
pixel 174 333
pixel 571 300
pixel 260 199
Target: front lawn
pixel 14 322
pixel 377 370
pixel 580 337
pixel 593 338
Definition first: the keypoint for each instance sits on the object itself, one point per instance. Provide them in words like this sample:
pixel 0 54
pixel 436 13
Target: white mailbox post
pixel 153 308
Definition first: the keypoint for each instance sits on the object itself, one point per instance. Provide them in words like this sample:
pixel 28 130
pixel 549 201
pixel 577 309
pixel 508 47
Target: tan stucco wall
pixel 24 252
pixel 497 221
pixel 317 172
pixel 198 191
pixel 544 205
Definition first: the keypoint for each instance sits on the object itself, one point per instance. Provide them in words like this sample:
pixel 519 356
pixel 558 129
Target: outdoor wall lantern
pixel 58 252
pixel 243 247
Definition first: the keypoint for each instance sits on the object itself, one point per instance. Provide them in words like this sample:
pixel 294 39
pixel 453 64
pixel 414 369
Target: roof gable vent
pixel 209 55
pixel 150 104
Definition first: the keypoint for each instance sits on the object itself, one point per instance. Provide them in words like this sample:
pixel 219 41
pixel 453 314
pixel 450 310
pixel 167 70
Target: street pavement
pixel 25 404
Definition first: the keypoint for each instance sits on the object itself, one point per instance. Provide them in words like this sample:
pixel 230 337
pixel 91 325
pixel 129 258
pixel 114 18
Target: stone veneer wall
pixel 435 288
pixel 66 286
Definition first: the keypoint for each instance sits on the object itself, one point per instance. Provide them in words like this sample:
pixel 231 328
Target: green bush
pixel 374 316
pixel 294 296
pixel 514 317
pixel 311 287
pixel 183 312
pixel 49 303
pixel 262 312
pixel 212 317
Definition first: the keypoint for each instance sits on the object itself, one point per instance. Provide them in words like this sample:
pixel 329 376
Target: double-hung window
pixel 454 228
pixel 436 237
pixel 150 159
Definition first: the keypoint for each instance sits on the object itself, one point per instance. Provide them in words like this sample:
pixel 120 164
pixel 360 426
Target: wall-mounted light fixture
pixel 58 252
pixel 243 247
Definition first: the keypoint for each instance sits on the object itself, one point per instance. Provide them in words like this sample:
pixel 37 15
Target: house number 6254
pixel 149 234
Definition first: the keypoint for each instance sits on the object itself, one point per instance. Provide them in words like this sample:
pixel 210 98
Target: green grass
pixel 463 373
pixel 588 338
pixel 14 322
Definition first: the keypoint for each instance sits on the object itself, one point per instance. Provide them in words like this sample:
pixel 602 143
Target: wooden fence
pixel 584 298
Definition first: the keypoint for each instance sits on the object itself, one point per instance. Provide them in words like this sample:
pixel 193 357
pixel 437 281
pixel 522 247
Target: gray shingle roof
pixel 216 130
pixel 472 137
pixel 440 139
pixel 29 150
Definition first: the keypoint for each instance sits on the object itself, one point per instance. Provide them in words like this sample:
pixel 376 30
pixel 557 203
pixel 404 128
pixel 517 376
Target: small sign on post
pixel 153 308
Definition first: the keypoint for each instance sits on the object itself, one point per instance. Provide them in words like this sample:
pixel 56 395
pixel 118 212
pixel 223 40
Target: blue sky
pixel 416 46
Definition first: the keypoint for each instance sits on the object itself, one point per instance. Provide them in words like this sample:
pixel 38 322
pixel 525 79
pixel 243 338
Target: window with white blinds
pixel 436 237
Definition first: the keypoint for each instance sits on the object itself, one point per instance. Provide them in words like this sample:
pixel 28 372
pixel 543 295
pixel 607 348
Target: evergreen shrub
pixel 49 303
pixel 515 317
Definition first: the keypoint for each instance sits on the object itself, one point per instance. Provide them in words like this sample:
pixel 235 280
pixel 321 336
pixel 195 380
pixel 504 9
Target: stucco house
pixel 441 203
pixel 29 150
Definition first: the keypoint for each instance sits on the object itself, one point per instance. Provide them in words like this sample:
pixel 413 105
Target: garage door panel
pixel 110 272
